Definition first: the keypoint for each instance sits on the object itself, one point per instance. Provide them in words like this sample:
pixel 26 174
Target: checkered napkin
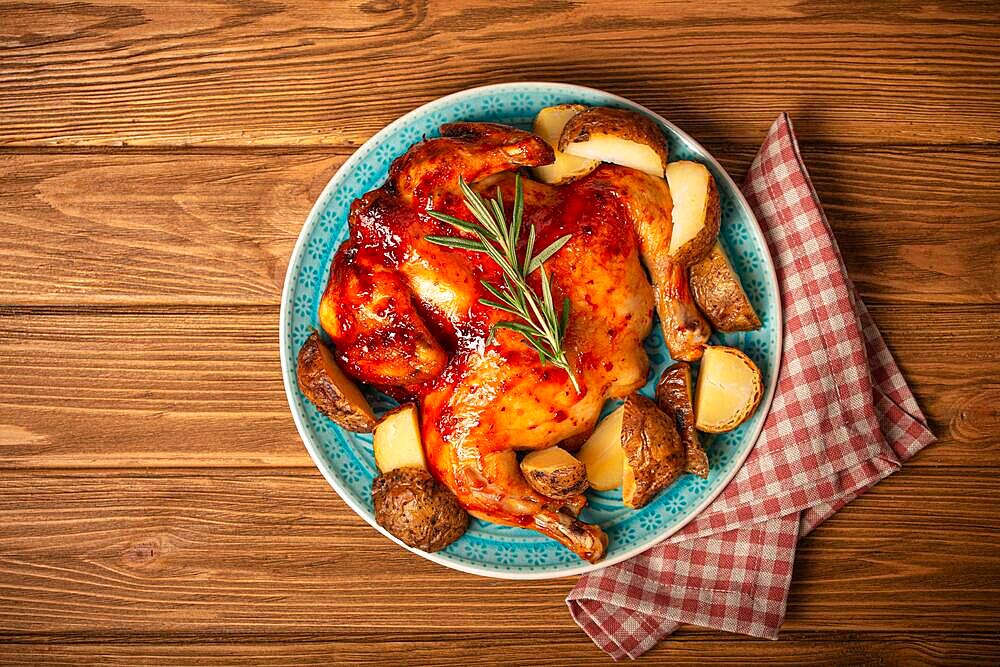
pixel 842 419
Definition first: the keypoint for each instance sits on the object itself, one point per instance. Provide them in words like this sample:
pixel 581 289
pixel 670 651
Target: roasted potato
pixel 654 454
pixel 397 442
pixel 602 453
pixel 729 389
pixel 674 396
pixel 417 509
pixel 696 214
pixel 618 136
pixel 719 294
pixel 636 447
pixel 555 473
pixel 549 125
pixel 332 392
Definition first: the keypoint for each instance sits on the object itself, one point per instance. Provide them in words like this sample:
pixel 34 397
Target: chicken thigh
pixel 405 315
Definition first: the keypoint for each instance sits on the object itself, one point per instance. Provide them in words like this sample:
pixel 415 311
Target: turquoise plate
pixel 346 459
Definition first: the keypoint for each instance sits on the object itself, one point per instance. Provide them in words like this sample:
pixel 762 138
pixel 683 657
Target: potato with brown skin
pixel 333 393
pixel 417 509
pixel 719 294
pixel 697 213
pixel 555 473
pixel 730 388
pixel 654 453
pixel 549 124
pixel 674 396
pixel 618 136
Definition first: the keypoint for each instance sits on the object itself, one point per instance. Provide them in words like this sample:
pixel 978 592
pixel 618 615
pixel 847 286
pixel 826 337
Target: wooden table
pixel 157 160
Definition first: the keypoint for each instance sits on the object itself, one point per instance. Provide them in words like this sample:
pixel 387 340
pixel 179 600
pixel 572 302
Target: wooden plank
pixel 165 228
pixel 900 220
pixel 155 388
pixel 562 648
pixel 273 552
pixel 156 166
pixel 137 72
pixel 124 228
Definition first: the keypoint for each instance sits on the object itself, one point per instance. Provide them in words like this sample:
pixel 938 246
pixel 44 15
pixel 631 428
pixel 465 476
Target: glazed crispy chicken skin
pixel 404 314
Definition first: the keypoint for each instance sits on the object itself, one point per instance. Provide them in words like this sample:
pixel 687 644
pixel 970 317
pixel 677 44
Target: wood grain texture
pixel 161 388
pixel 137 72
pixel 156 163
pixel 232 552
pixel 153 228
pixel 124 228
pixel 564 647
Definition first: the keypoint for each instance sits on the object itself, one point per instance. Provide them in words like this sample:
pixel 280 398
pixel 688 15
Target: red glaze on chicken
pixel 404 314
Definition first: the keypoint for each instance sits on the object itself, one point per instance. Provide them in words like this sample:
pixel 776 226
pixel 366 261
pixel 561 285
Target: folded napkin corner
pixel 842 418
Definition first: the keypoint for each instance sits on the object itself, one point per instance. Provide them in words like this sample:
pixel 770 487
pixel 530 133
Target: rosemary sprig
pixel 538 321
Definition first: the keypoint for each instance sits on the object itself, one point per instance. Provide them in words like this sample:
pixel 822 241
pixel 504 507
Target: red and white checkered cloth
pixel 842 419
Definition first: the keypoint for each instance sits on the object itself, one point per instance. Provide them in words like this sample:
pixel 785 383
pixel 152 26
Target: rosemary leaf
pixel 499 306
pixel 516 294
pixel 518 214
pixel 506 299
pixel 542 327
pixel 564 318
pixel 528 249
pixel 456 242
pixel 525 330
pixel 547 306
pixel 470 227
pixel 544 255
pixel 477 206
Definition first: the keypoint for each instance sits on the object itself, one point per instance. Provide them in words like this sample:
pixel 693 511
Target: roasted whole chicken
pixel 404 314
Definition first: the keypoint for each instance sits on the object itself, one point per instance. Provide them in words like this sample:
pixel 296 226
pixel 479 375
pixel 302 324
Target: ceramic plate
pixel 346 459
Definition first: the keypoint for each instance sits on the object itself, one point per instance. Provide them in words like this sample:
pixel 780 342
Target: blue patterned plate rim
pixel 288 359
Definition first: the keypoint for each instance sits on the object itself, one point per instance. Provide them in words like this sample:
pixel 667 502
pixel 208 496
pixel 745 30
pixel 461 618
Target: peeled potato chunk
pixel 654 453
pixel 729 389
pixel 548 125
pixel 602 454
pixel 555 473
pixel 696 214
pixel 397 442
pixel 333 393
pixel 618 136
